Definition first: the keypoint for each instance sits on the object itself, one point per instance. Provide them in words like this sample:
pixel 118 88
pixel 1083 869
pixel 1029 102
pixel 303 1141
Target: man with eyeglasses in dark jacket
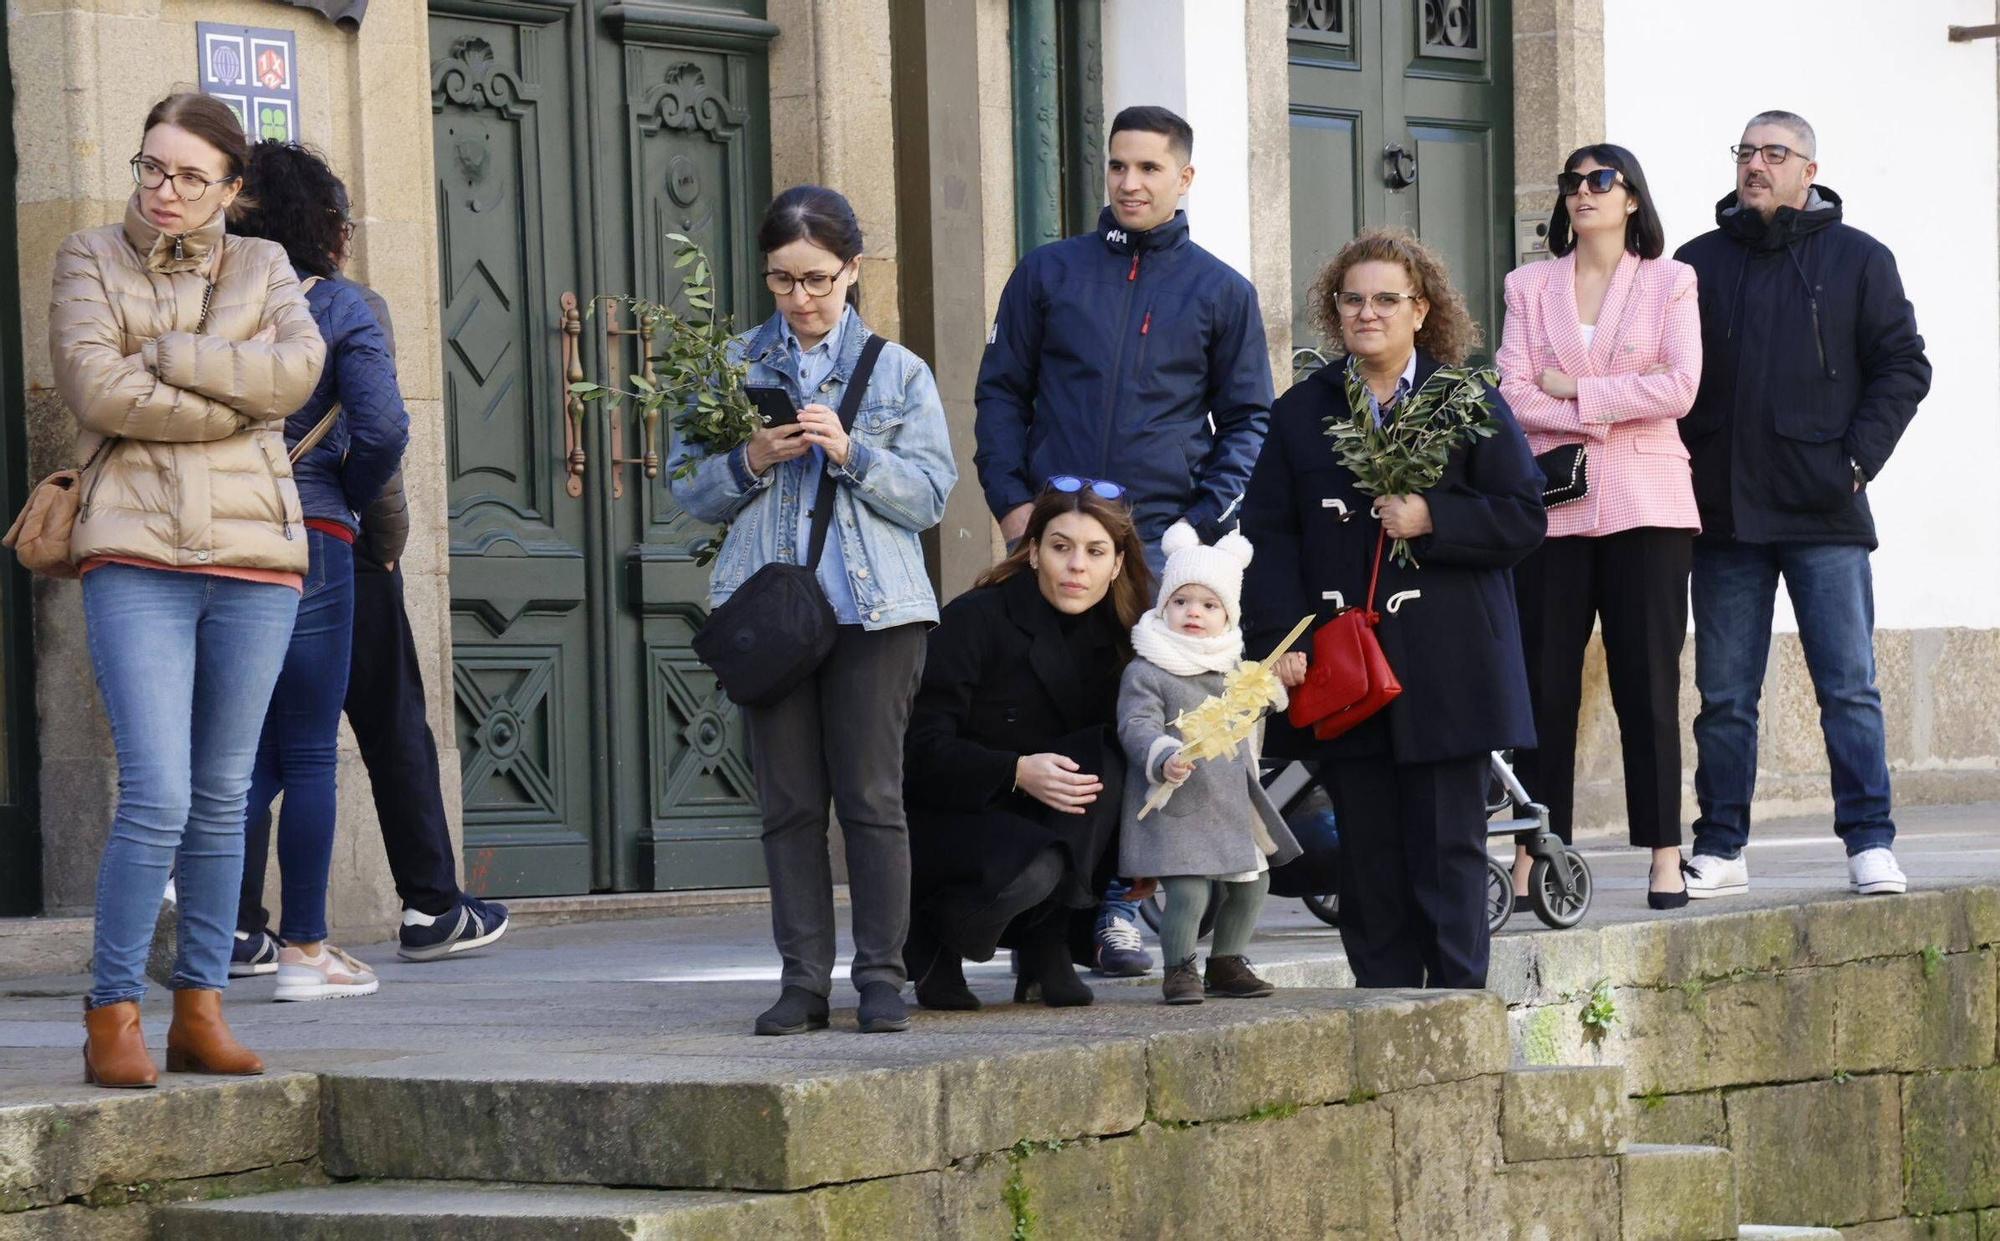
pixel 1132 356
pixel 1811 369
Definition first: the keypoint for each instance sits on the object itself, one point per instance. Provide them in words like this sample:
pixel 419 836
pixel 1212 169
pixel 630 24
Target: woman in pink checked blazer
pixel 1602 348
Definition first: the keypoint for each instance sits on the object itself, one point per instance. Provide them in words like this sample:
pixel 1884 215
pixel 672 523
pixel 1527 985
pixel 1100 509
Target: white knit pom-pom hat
pixel 1218 567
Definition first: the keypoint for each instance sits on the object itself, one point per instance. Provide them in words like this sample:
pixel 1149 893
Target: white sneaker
pixel 1708 875
pixel 1873 871
pixel 330 975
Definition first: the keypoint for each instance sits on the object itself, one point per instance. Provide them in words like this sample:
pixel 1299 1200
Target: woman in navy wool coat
pixel 1408 785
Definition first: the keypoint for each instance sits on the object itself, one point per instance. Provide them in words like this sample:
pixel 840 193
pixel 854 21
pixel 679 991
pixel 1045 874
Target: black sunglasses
pixel 1070 484
pixel 1600 181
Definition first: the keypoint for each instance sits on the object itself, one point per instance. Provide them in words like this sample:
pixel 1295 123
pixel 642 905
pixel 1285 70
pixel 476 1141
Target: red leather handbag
pixel 1349 678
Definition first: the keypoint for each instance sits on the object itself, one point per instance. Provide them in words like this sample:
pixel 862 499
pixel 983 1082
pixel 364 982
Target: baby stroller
pixel 1559 883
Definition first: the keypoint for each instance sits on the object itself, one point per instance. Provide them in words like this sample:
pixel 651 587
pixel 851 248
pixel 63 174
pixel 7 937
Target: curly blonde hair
pixel 1448 333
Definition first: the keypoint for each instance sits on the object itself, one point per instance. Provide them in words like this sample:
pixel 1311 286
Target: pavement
pixel 694 983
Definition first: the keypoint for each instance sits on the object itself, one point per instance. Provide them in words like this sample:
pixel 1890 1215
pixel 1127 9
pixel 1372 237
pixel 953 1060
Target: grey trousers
pixel 838 738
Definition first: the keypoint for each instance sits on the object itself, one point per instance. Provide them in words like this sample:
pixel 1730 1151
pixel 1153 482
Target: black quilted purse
pixel 778 627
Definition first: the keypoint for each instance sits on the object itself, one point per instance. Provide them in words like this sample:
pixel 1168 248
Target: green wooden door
pixel 570 137
pixel 1402 114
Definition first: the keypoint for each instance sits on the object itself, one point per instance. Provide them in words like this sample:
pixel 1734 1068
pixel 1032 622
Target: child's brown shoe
pixel 1231 979
pixel 1183 983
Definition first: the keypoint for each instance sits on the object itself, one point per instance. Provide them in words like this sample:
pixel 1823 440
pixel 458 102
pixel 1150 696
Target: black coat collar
pixel 1062 662
pixel 1334 376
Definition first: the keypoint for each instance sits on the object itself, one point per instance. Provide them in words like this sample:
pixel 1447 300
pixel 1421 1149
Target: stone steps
pixel 1678 1191
pixel 1785 1232
pixel 465 1211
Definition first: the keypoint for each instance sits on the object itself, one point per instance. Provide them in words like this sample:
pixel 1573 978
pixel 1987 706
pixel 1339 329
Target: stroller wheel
pixel 1154 908
pixel 1499 895
pixel 1325 908
pixel 1557 908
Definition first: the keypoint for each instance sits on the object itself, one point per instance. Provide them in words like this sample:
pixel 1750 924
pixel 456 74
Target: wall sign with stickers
pixel 255 71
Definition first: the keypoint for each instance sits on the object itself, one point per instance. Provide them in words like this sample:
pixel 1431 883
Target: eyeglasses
pixel 188 186
pixel 1774 154
pixel 1598 180
pixel 815 283
pixel 1385 304
pixel 1070 484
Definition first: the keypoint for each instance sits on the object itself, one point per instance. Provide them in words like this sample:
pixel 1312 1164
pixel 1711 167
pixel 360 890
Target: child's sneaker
pixel 330 975
pixel 1231 979
pixel 1183 983
pixel 252 955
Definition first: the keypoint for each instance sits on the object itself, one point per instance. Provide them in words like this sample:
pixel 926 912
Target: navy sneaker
pixel 1120 953
pixel 252 955
pixel 473 924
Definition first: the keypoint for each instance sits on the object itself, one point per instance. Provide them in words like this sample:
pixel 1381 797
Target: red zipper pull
pixel 1146 325
pixel 1135 268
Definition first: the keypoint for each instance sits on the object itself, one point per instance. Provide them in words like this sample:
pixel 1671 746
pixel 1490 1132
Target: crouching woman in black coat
pixel 1408 784
pixel 1012 773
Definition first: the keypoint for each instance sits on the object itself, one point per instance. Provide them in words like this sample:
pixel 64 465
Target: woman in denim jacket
pixel 839 735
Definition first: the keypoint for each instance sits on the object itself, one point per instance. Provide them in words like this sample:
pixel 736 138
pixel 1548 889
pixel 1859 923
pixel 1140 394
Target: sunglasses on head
pixel 1070 484
pixel 1599 181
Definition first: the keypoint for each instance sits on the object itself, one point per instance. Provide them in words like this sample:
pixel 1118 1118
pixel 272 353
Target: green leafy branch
pixel 693 384
pixel 1407 454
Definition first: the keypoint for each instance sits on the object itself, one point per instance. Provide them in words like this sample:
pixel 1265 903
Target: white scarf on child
pixel 1182 655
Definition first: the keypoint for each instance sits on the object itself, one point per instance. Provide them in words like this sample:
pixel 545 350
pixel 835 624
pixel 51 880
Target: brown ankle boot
pixel 114 1048
pixel 199 1040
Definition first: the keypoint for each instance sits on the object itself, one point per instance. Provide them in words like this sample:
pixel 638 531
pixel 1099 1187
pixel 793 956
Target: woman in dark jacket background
pixel 295 195
pixel 1408 784
pixel 1012 774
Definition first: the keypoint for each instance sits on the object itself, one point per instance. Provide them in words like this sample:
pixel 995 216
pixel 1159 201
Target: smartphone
pixel 774 405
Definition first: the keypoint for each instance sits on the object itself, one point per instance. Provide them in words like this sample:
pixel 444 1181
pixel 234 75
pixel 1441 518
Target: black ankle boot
pixel 939 977
pixel 1045 963
pixel 796 1011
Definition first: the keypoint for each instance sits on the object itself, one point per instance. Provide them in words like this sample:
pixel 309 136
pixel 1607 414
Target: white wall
pixel 1191 56
pixel 1907 136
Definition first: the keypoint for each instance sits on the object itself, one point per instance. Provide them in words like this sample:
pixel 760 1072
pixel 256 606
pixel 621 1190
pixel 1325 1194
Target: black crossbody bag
pixel 778 627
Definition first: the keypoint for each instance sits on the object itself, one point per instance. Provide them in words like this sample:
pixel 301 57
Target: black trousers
pixel 1636 582
pixel 838 737
pixel 1412 870
pixel 385 707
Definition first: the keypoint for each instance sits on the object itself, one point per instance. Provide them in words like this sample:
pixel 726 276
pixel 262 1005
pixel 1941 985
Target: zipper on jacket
pixel 96 482
pixel 1146 324
pixel 1117 370
pixel 278 489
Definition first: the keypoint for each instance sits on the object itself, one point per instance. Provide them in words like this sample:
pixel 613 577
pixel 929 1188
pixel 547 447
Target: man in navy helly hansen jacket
pixel 1130 355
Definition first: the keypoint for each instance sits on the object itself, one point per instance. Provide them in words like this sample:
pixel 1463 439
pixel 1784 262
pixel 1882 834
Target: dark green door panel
pixel 597 753
pixel 690 98
pixel 1433 77
pixel 503 118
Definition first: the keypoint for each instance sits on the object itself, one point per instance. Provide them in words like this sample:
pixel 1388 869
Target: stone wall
pixel 87 71
pixel 1844 1051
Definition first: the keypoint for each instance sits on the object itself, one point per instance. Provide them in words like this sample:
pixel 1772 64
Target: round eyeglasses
pixel 188 186
pixel 815 283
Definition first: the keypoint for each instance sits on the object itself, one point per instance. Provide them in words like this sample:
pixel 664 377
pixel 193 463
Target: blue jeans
pixel 1833 596
pixel 185 664
pixel 297 753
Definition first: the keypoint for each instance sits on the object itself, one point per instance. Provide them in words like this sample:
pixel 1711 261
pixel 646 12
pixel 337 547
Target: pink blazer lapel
pixel 1612 316
pixel 1559 317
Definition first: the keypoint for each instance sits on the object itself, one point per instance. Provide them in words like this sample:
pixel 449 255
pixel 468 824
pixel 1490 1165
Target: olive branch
pixel 1406 454
pixel 695 384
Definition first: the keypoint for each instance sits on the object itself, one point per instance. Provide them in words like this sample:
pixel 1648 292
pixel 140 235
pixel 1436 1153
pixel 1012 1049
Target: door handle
pixel 648 459
pixel 569 325
pixel 1399 167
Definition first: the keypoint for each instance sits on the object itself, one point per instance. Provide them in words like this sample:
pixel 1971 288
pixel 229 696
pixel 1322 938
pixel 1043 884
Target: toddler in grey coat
pixel 1219 826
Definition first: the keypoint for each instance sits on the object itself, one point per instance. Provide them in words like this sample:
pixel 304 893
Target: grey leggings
pixel 1235 917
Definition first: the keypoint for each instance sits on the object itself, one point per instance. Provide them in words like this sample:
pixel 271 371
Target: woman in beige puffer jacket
pixel 181 350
